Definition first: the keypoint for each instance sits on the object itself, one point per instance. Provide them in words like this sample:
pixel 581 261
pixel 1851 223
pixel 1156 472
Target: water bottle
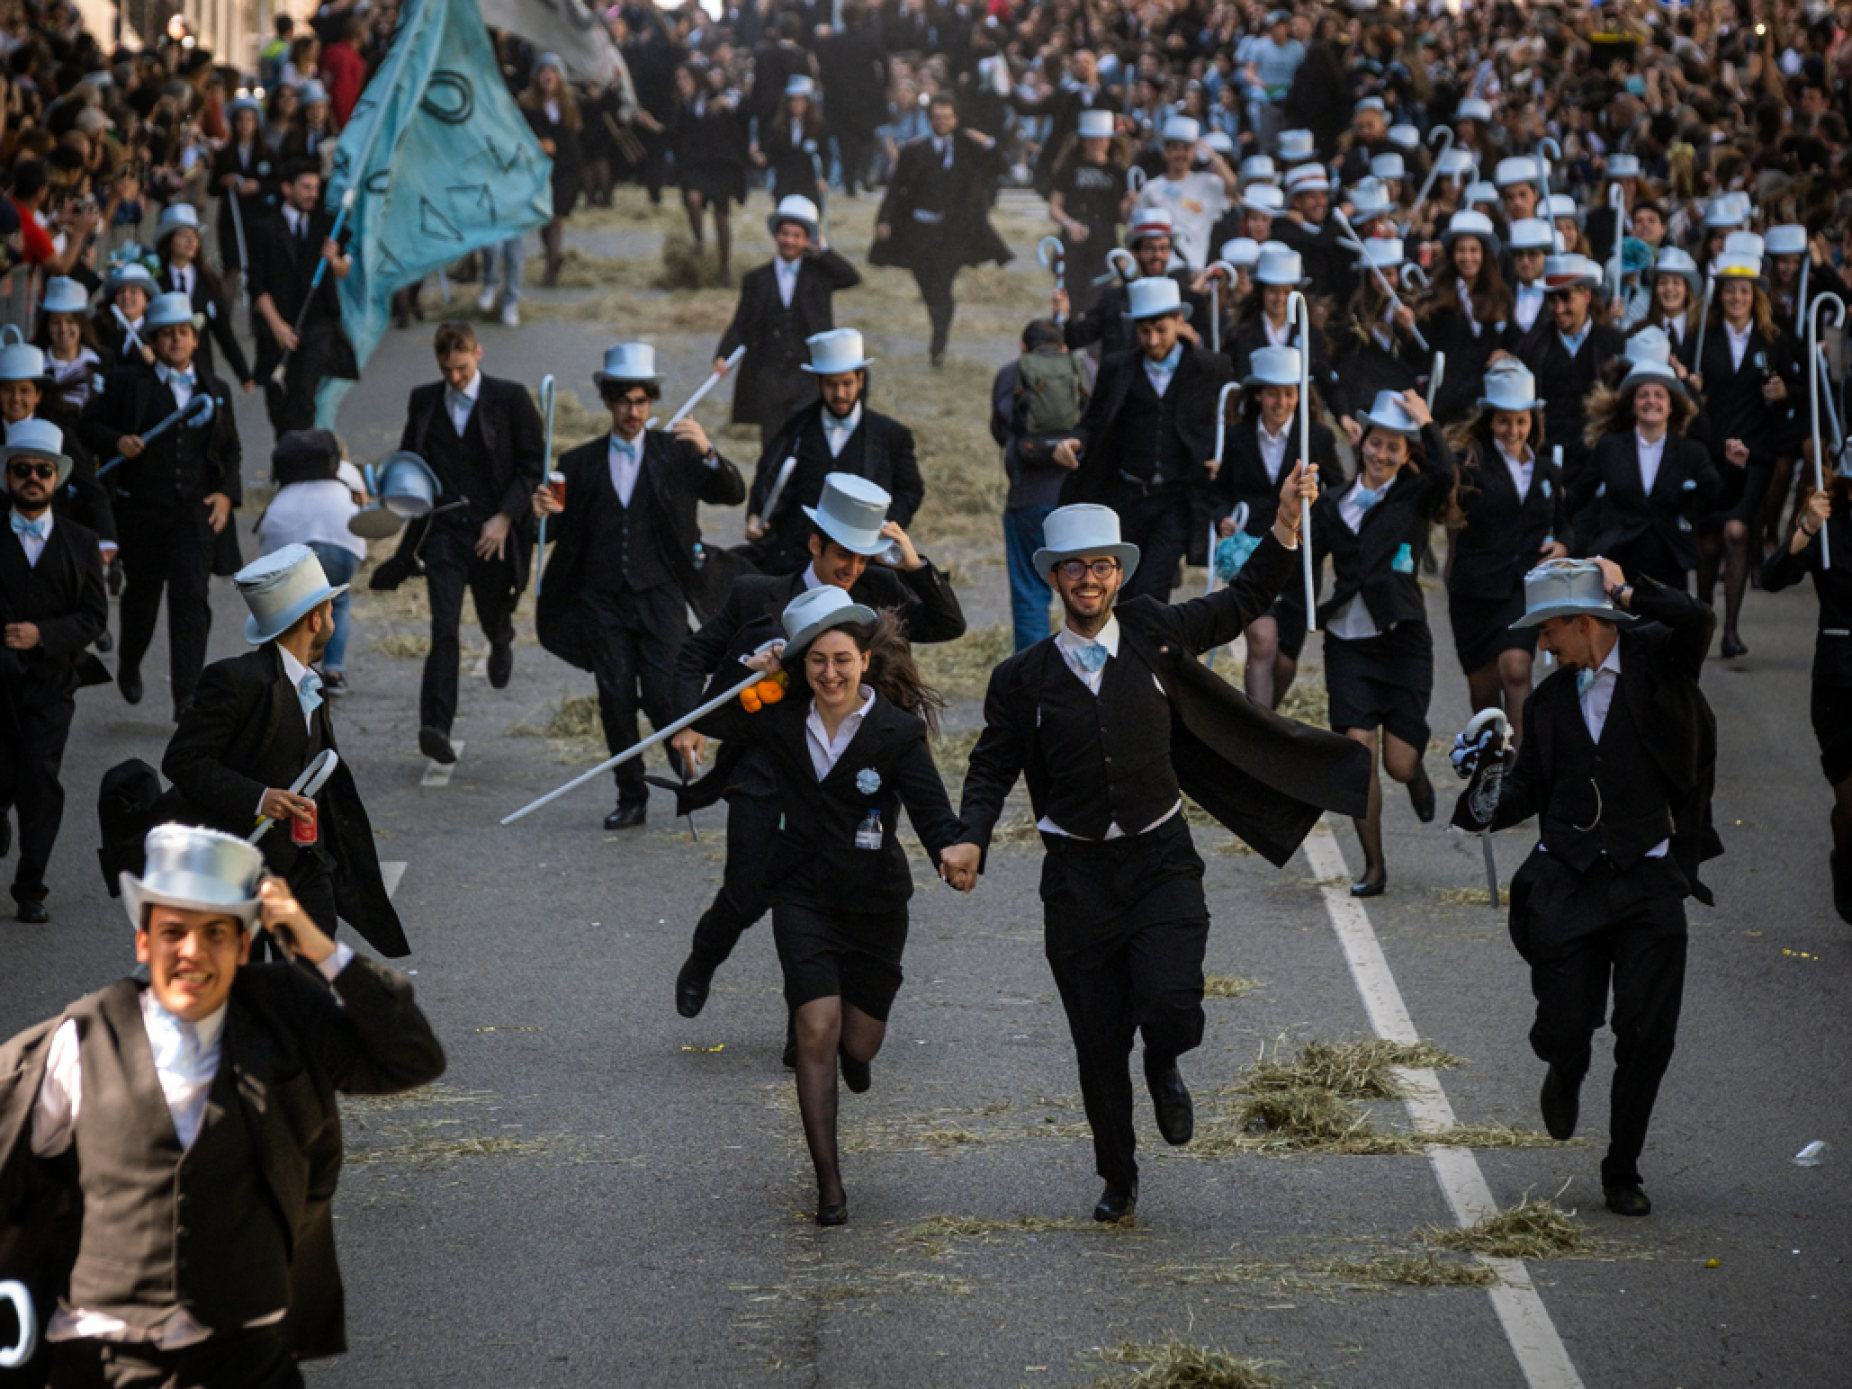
pixel 869 835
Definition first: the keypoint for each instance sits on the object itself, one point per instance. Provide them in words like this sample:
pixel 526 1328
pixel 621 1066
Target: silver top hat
pixel 173 311
pixel 1510 386
pixel 1519 169
pixel 1369 199
pixel 1456 163
pixel 628 362
pixel 1567 588
pixel 813 612
pixel 1153 297
pixel 1623 166
pixel 1474 108
pixel 1074 532
pixel 21 361
pixel 1390 413
pixel 1383 252
pixel 835 352
pixel 173 217
pixel 407 485
pixel 1388 166
pixel 196 870
pixel 1182 130
pixel 1241 251
pixel 1789 239
pixel 1263 197
pixel 1470 223
pixel 1746 244
pixel 1296 146
pixel 1531 234
pixel 1727 210
pixel 1279 267
pixel 1259 168
pixel 797 84
pixel 795 208
pixel 1672 261
pixel 1646 371
pixel 65 295
pixel 1095 125
pixel 1149 221
pixel 1480 194
pixel 851 512
pixel 1307 178
pixel 311 92
pixel 130 274
pixel 1273 366
pixel 1406 136
pixel 281 588
pixel 1650 344
pixel 36 439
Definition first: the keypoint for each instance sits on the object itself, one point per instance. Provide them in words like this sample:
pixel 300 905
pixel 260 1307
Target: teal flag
pixel 437 161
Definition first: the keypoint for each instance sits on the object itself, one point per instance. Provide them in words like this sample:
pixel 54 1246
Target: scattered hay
pixel 582 270
pixel 1532 1229
pixel 574 719
pixel 1468 896
pixel 1348 1070
pixel 1409 1270
pixel 920 1280
pixel 359 1107
pixel 688 266
pixel 419 1147
pixel 1015 831
pixel 1304 1118
pixel 951 754
pixel 1233 847
pixel 1183 1365
pixel 934 1233
pixel 404 646
pixel 1228 986
pixel 961 669
pixel 1498 1136
pixel 1306 701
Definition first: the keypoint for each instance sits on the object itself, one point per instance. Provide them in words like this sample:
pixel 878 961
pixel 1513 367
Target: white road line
pixel 438 773
pixel 1539 1350
pixel 392 871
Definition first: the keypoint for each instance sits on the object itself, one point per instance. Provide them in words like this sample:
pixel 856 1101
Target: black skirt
pixel 849 955
pixel 1831 709
pixel 1384 681
pixel 1482 629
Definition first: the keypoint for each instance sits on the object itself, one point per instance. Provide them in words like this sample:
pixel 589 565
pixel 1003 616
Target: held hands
pixel 958 866
pixel 1735 452
pixel 909 557
pixel 287 805
pixel 283 916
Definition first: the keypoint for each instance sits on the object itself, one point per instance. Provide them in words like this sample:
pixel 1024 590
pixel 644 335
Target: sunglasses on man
pixel 45 472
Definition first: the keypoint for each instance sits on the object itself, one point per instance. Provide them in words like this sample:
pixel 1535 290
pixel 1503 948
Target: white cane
pixel 1617 201
pixel 1300 313
pixel 1123 263
pixel 549 389
pixel 1217 271
pixel 1821 383
pixel 244 256
pixel 1356 243
pixel 658 736
pixel 1435 377
pixel 1135 180
pixel 785 469
pixel 128 328
pixel 1543 173
pixel 713 380
pixel 1053 257
pixel 17 1354
pixel 1427 184
pixel 313 778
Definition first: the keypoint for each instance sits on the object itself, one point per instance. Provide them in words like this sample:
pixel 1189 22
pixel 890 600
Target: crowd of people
pixel 1524 298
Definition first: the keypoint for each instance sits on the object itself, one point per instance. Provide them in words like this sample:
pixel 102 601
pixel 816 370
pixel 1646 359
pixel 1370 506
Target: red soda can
pixel 556 484
pixel 305 831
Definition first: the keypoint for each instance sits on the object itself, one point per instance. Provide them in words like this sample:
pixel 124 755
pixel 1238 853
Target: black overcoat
pixel 771 373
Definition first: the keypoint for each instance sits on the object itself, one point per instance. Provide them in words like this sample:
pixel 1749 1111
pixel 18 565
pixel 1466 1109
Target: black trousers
pixel 451 565
pixel 171 551
pixel 935 282
pixel 855 145
pixel 1642 956
pixel 633 660
pixel 242 1360
pixel 37 794
pixel 1158 523
pixel 292 405
pixel 752 828
pixel 1125 929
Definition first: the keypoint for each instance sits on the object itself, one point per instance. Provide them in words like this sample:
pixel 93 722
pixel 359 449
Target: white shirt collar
pixel 826 752
pixel 1646 445
pixel 293 668
pixel 1612 661
pixel 810 577
pixel 1071 641
pixel 845 424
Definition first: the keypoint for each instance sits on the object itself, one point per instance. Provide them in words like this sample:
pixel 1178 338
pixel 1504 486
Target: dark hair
pixel 453 335
pixel 1491 301
pixel 1610 411
pixel 891 668
pixel 296 168
pixel 29 177
pixel 943 99
pixel 611 388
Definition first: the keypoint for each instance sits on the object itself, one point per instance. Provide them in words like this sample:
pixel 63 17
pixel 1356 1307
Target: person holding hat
pixel 624 568
pixel 1514 515
pixel 1262 321
pixel 484 441
pixel 285 247
pixel 1379 652
pixel 1087 199
pixel 552 113
pixel 172 496
pixel 782 305
pixel 242 169
pixel 846 747
pixel 849 528
pixel 1109 322
pixel 1146 446
pixel 1466 313
pixel 74 354
pixel 176 242
pixel 1262 448
pixel 1567 350
pixel 170 1145
pixel 1195 199
pixel 1112 721
pixel 120 323
pixel 1647 488
pixel 835 434
pixel 318 494
pixel 1530 244
pixel 256 724
pixel 52 606
pixel 935 217
pixel 1617 762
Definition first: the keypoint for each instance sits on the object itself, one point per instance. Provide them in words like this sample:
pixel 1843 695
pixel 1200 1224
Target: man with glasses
pixel 623 571
pixel 1113 721
pixel 483 439
pixel 52 606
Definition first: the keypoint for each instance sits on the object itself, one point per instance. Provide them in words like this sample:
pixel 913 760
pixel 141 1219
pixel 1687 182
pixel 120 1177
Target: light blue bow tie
pixel 1584 681
pixel 625 449
pixel 1366 499
pixel 182 378
pixel 834 424
pixel 1092 657
pixel 1170 361
pixel 309 692
pixel 457 400
pixel 36 529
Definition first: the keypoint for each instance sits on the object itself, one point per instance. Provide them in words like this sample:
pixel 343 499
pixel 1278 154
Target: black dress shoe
pixel 1561 1102
pixel 1732 648
pixel 1421 796
pixel 434 743
pixel 1627 1200
pixel 1369 888
pixel 105 642
pixel 627 817
pixel 857 1075
pixel 692 984
pixel 501 664
pixel 1170 1097
pixel 334 684
pixel 129 682
pixel 836 1213
pixel 1116 1203
pixel 33 913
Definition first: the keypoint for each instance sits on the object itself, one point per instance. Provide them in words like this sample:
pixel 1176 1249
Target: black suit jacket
pixel 881 450
pixel 1264 776
pixel 1563 382
pixel 770 373
pixel 1250 335
pixel 965 236
pixel 1243 476
pixel 84 497
pixel 292 1041
pixel 243 734
pixel 1504 533
pixel 1380 559
pixel 218 314
pixel 179 469
pixel 252 209
pixel 283 266
pixel 672 483
pixel 63 594
pixel 1609 501
pixel 1109 323
pixel 1199 379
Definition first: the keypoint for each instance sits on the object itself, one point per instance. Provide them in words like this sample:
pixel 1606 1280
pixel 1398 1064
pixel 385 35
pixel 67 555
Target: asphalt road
pixel 600 1192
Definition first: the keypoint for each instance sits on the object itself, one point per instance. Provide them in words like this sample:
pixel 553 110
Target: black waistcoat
pixel 1107 755
pixel 933 191
pixel 164 1227
pixel 462 465
pixel 1150 445
pixel 1607 797
pixel 621 550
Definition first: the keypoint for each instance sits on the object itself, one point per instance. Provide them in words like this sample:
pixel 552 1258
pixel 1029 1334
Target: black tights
pixel 825 1026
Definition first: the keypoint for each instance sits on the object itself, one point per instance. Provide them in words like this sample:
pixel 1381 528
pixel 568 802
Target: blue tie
pixel 178 378
pixel 456 400
pixel 1367 499
pixel 1092 657
pixel 1584 681
pixel 36 529
pixel 309 692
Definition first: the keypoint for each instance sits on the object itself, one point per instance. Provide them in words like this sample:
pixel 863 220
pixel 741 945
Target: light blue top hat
pixel 1745 244
pixel 173 310
pixel 1727 210
pixel 407 485
pixel 281 588
pixel 130 274
pixel 37 439
pixel 1390 413
pixel 1369 199
pixel 1510 386
pixel 1474 108
pixel 1155 296
pixel 1405 136
pixel 311 92
pixel 1388 166
pixel 1241 251
pixel 1470 223
pixel 1383 252
pixel 851 512
pixel 1369 103
pixel 1650 344
pixel 1296 146
pixel 797 84
pixel 1095 125
pixel 244 103
pixel 628 362
pixel 1149 221
pixel 1672 261
pixel 1479 193
pixel 21 361
pixel 1789 239
pixel 1649 372
pixel 1565 208
pixel 550 60
pixel 1518 169
pixel 835 352
pixel 1531 234
pixel 1083 531
pixel 195 869
pixel 813 612
pixel 1278 266
pixel 173 217
pixel 1567 588
pixel 65 295
pixel 1456 163
pixel 1263 197
pixel 1182 130
pixel 1258 168
pixel 795 207
pixel 1273 366
pixel 1623 166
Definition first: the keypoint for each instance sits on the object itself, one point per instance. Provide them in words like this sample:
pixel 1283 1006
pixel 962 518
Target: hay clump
pixel 1533 1229
pixel 1409 1270
pixel 419 1146
pixel 574 719
pixel 1307 701
pixel 934 1232
pixel 1234 847
pixel 1498 1136
pixel 1349 1070
pixel 1228 986
pixel 688 266
pixel 1309 1117
pixel 404 646
pixel 1183 1365
pixel 1466 897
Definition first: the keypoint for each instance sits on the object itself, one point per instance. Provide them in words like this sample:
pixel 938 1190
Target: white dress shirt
pixel 181 383
pixel 1650 455
pixel 1529 305
pixel 1739 343
pixel 1596 701
pixel 459 411
pixel 626 465
pixel 1068 642
pixel 1520 470
pixel 1466 303
pixel 294 220
pixel 825 751
pixel 183 277
pixel 785 272
pixel 1353 621
pixel 294 671
pixel 1273 448
pixel 1281 336
pixel 838 432
pixel 34 546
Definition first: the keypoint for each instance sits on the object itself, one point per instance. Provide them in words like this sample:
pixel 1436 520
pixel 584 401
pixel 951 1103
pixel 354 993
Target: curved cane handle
pixel 12 1357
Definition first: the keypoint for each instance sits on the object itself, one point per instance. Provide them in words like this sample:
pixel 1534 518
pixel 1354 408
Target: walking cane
pixel 1704 321
pixel 244 255
pixel 549 390
pixel 1301 313
pixel 1495 749
pixel 313 778
pixel 348 199
pixel 1355 242
pixel 1427 184
pixel 823 202
pixel 198 410
pixel 1825 377
pixel 1217 271
pixel 1617 200
pixel 1119 262
pixel 1435 377
pixel 1417 278
pixel 1822 383
pixel 660 735
pixel 1543 173
pixel 713 380
pixel 1800 301
pixel 785 469
pixel 17 1354
pixel 129 328
pixel 1053 256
